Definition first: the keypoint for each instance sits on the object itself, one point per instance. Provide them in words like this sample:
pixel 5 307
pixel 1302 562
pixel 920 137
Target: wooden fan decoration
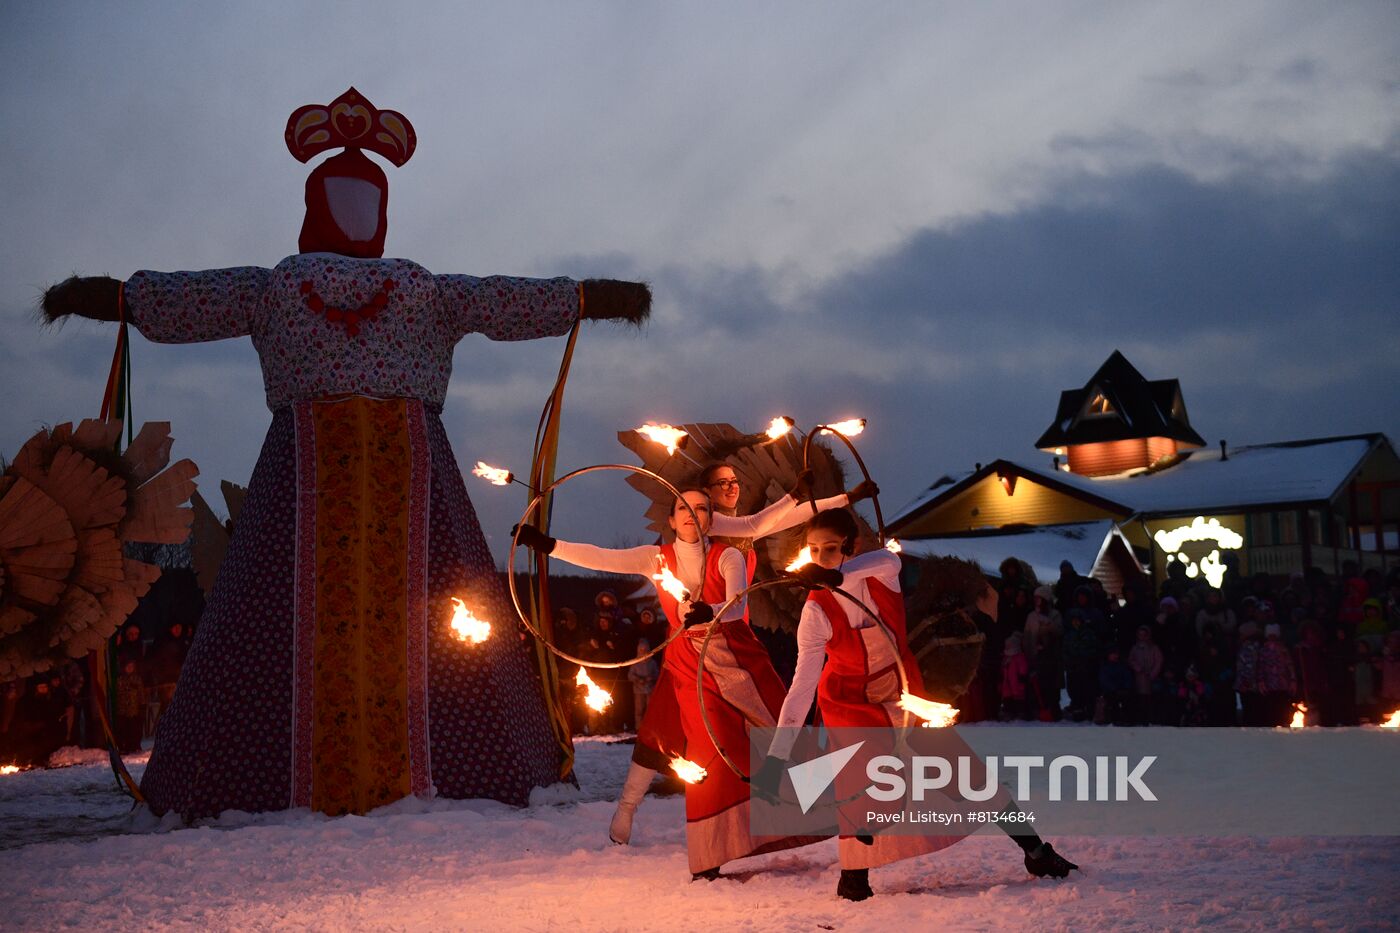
pixel 68 505
pixel 767 472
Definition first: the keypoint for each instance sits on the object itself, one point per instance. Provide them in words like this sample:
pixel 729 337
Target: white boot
pixel 633 790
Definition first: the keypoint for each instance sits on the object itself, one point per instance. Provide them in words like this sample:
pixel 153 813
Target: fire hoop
pixel 763 584
pixel 515 543
pixel 812 494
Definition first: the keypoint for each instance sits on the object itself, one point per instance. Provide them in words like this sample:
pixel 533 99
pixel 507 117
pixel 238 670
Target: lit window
pixel 1099 405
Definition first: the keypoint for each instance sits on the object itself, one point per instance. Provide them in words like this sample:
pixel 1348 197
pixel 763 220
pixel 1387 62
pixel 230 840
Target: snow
pixel 474 865
pixel 1203 482
pixel 1043 548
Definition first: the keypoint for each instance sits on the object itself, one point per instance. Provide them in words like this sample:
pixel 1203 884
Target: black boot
pixel 1044 862
pixel 854 884
pixel 709 874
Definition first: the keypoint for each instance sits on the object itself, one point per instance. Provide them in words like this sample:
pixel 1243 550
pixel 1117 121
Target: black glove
pixel 802 489
pixel 533 538
pixel 815 575
pixel 699 614
pixel 94 297
pixel 766 782
pixel 610 299
pixel 865 489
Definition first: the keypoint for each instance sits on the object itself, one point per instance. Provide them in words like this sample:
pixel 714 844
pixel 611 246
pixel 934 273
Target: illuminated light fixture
pixel 493 475
pixel 1200 529
pixel 846 428
pixel 1008 482
pixel 803 558
pixel 893 546
pixel 668 436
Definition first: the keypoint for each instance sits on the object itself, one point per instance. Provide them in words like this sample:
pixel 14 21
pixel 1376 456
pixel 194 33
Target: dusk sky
pixel 936 216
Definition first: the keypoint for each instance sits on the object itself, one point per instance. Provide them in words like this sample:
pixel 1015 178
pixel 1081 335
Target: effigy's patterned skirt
pixel 324 672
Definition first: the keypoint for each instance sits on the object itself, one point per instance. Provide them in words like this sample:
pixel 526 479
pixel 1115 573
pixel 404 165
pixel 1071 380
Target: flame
pixel 934 714
pixel 14 769
pixel 803 558
pixel 1392 721
pixel 1298 710
pixel 666 435
pixel 668 581
pixel 893 546
pixel 688 771
pixel 779 427
pixel 494 475
pixel 847 428
pixel 466 626
pixel 597 698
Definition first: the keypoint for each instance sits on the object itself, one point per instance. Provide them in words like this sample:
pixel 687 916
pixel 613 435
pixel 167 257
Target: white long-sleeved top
pixel 814 631
pixel 781 515
pixel 643 560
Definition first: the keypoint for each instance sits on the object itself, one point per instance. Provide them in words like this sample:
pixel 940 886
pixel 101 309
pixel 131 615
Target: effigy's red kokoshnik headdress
pixel 347 195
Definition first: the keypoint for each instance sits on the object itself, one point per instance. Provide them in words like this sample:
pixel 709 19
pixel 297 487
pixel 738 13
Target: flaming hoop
pixel 743 594
pixel 668 581
pixel 15 769
pixel 778 428
pixel 803 558
pixel 1299 716
pixel 1392 721
pixel 845 430
pixel 515 543
pixel 934 715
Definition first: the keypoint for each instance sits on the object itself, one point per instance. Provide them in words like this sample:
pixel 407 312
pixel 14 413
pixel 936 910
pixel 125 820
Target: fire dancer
pixel 741 688
pixel 849 664
pixel 660 733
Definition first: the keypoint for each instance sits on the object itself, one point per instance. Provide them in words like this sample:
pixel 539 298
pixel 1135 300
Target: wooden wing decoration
pixel 68 505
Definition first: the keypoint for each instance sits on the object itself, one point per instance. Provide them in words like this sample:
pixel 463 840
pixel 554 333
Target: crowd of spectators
pixel 1251 652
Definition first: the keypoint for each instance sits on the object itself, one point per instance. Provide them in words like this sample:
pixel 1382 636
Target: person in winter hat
pixel 1145 660
pixel 1278 681
pixel 1015 670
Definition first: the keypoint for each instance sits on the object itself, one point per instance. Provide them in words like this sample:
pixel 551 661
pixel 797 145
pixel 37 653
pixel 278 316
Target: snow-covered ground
pixel 73 857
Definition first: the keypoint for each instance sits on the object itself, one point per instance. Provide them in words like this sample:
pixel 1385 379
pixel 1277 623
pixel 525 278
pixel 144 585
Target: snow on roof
pixel 1262 475
pixel 1043 548
pixel 937 489
pixel 1302 471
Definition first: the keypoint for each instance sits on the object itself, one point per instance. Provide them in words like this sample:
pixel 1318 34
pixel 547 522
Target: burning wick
pixel 14 769
pixel 597 698
pixel 688 771
pixel 846 428
pixel 668 436
pixel 466 626
pixel 493 475
pixel 779 427
pixel 1392 721
pixel 1298 711
pixel 893 546
pixel 668 581
pixel 803 558
pixel 934 714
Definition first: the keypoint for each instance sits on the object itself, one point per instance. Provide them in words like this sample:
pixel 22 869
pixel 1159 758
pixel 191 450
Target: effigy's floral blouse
pixel 326 325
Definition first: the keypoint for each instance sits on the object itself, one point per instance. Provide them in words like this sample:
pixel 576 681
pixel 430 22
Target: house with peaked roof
pixel 1133 488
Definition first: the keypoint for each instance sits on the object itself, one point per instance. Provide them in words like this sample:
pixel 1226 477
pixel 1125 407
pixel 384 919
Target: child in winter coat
pixel 1277 680
pixel 1145 659
pixel 1014 671
pixel 131 708
pixel 1193 695
pixel 1115 689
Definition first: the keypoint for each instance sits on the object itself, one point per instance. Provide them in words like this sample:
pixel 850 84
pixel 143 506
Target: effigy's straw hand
pixel 614 300
pixel 96 297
